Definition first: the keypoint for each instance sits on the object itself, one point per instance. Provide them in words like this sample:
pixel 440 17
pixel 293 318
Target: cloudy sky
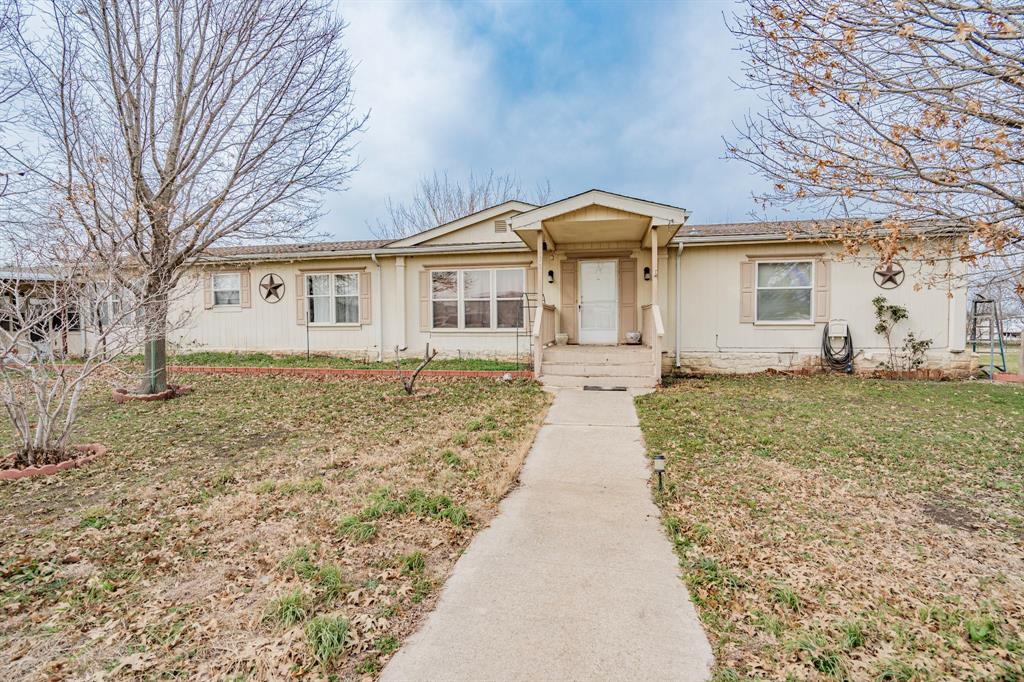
pixel 629 97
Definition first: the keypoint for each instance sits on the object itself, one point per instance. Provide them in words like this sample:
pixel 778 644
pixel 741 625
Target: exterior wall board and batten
pixel 719 332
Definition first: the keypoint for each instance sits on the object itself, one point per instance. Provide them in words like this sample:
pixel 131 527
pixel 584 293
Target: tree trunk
pixel 154 378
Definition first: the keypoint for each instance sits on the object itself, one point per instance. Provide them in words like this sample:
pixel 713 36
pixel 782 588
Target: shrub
pixel 887 317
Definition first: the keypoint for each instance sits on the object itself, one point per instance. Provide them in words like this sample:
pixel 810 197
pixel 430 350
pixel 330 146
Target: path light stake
pixel 659 467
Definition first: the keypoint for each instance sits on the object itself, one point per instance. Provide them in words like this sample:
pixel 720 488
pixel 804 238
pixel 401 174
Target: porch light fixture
pixel 551 276
pixel 659 468
pixel 647 274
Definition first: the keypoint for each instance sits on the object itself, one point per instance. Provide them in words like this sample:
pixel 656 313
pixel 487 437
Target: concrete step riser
pixel 564 381
pixel 637 369
pixel 597 353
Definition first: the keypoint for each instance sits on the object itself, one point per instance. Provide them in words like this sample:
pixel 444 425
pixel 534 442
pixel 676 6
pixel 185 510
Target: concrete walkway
pixel 574 579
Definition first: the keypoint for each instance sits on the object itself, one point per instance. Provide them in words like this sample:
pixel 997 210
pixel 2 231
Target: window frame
pixel 214 289
pixel 758 288
pixel 333 296
pixel 461 299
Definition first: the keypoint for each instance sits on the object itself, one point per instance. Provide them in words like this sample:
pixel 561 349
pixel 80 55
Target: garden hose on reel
pixel 840 360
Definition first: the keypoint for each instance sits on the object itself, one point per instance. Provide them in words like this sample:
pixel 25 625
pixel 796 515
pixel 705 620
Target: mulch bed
pixel 83 455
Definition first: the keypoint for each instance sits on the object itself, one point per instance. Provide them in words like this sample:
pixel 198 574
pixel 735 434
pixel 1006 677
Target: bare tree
pixel 909 113
pixel 63 319
pixel 409 382
pixel 172 125
pixel 439 199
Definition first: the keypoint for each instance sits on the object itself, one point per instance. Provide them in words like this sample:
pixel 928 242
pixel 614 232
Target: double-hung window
pixel 477 298
pixel 784 291
pixel 227 288
pixel 332 298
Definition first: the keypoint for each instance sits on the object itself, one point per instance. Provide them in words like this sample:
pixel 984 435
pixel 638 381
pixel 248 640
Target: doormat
pixel 604 388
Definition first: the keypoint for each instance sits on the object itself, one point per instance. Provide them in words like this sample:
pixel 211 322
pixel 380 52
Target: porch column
pixel 540 268
pixel 654 265
pixel 538 315
pixel 655 304
pixel 399 299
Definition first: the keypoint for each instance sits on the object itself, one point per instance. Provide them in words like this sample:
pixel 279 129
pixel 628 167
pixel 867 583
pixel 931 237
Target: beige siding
pixel 272 326
pixel 712 303
pixel 711 307
pixel 480 233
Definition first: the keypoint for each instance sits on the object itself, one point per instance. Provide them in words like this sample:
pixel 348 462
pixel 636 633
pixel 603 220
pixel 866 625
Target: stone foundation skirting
pixel 944 363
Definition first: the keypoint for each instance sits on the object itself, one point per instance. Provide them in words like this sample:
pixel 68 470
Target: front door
pixel 599 302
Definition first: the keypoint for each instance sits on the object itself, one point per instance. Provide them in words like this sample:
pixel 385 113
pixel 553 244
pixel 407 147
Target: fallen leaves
pixel 162 560
pixel 848 528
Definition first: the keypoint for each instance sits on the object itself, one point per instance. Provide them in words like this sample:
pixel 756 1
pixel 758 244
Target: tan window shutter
pixel 531 280
pixel 300 299
pixel 207 290
pixel 500 226
pixel 365 316
pixel 747 273
pixel 821 287
pixel 424 300
pixel 567 309
pixel 627 297
pixel 244 295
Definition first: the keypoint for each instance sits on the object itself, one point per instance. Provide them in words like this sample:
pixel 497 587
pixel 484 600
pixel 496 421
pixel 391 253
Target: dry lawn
pixel 835 528
pixel 261 528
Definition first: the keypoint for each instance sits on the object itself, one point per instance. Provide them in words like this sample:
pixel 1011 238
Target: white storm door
pixel 599 302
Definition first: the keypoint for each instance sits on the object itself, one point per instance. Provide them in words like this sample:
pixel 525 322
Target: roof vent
pixel 500 226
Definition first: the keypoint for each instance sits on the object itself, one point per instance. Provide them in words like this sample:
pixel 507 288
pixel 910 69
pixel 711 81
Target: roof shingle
pixel 297 249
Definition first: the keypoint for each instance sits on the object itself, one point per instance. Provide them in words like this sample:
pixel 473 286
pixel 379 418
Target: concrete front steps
pixel 602 366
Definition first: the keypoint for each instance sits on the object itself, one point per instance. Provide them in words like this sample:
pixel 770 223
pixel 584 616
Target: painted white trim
pixel 459 223
pixel 661 214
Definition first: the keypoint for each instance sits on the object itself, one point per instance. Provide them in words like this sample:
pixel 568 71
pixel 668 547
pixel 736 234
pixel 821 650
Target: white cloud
pixel 649 123
pixel 426 84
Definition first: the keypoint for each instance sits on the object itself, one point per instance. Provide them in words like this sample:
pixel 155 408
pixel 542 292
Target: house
pixel 565 285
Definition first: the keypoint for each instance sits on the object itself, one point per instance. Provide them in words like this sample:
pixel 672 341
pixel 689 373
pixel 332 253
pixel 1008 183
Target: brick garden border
pixel 344 372
pixel 1006 378
pixel 96 449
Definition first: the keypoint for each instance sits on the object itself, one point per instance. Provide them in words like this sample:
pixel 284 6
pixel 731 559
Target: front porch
pixel 600 259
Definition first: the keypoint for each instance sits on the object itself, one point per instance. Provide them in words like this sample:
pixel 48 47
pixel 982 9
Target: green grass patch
pixel 95 517
pixel 287 609
pixel 326 637
pixel 412 563
pixel 229 359
pixel 882 517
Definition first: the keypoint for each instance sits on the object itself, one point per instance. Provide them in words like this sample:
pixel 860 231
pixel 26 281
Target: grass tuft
pixel 788 598
pixel 288 609
pixel 413 563
pixel 386 645
pixel 360 531
pixel 451 459
pixel 326 637
pixel 95 517
pixel 330 582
